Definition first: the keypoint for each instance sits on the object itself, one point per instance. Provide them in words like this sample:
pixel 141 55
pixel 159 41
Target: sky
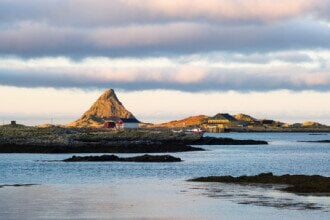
pixel 165 59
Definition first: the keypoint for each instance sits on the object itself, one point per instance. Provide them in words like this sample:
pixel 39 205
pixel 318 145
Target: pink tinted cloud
pixel 265 10
pixel 123 12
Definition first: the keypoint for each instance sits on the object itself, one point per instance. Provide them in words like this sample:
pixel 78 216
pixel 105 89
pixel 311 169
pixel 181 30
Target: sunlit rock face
pixel 187 122
pixel 244 117
pixel 107 107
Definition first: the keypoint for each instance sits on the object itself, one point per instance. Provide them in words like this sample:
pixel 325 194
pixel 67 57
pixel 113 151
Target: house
pixel 222 122
pixel 130 123
pixel 123 123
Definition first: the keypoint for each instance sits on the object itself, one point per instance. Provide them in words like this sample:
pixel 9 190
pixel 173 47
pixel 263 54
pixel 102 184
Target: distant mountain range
pixel 246 120
pixel 108 107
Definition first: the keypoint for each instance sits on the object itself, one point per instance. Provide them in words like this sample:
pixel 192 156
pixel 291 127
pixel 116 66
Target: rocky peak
pixel 106 107
pixel 108 94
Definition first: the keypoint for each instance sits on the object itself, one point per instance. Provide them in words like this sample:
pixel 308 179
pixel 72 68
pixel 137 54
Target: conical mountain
pixel 106 107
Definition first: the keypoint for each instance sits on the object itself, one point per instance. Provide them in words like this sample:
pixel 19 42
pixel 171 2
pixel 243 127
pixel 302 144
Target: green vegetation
pixel 61 135
pixel 55 139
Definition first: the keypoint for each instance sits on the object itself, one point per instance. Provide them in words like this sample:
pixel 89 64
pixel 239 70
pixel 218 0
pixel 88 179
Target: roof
pixel 130 120
pixel 125 120
pixel 111 118
pixel 223 116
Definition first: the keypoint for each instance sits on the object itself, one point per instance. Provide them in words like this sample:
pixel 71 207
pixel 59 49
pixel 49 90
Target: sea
pixel 123 190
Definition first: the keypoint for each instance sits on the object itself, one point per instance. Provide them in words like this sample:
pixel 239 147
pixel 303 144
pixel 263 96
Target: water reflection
pixel 155 199
pixel 262 195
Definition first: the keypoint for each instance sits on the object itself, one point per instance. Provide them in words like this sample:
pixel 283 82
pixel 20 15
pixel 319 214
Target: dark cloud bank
pixel 79 28
pixel 211 81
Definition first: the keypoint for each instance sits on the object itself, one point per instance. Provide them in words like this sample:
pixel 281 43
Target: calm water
pixel 152 190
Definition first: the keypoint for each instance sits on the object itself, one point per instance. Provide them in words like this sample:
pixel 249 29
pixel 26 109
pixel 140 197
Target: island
pixel 113 158
pixel 106 127
pixel 25 139
pixel 318 141
pixel 294 183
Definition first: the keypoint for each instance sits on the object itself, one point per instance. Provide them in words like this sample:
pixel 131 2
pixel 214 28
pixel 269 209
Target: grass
pixel 21 134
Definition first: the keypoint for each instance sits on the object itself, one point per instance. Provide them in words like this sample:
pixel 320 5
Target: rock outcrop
pixel 113 158
pixel 187 122
pixel 312 124
pixel 296 183
pixel 107 107
pixel 245 118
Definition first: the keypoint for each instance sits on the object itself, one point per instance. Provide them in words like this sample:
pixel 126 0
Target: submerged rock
pixel 297 183
pixel 114 158
pixel 227 141
pixel 319 141
pixel 17 185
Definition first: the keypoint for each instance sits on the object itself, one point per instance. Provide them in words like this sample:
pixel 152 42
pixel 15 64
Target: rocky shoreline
pixel 294 183
pixel 113 158
pixel 97 148
pixel 83 140
pixel 226 141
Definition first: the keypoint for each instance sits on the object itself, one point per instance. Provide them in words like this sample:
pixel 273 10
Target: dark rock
pixel 83 140
pixel 114 158
pixel 226 141
pixel 17 185
pixel 98 148
pixel 320 141
pixel 297 183
pixel 124 146
pixel 318 134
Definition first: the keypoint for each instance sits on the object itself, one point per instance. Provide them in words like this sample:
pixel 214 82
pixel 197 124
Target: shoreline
pixel 135 146
pixel 299 184
pixel 323 131
pixel 56 149
pixel 68 140
pixel 146 158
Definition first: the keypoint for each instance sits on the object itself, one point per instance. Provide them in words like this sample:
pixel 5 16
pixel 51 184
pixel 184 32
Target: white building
pixel 129 123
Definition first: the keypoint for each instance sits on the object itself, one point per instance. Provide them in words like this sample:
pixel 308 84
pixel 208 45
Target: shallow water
pixel 155 190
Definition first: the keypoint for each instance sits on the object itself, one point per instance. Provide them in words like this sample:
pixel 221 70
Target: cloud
pixel 118 28
pixel 187 45
pixel 121 12
pixel 226 10
pixel 37 40
pixel 194 74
